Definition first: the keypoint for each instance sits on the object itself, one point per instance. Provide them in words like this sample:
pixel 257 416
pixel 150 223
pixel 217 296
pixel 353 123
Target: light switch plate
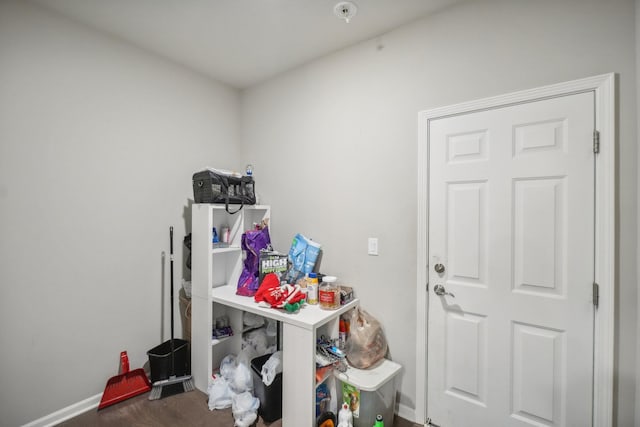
pixel 372 246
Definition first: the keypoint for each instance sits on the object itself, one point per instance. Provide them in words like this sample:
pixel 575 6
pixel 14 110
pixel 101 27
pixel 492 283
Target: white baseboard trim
pixel 67 413
pixel 407 413
pixel 92 402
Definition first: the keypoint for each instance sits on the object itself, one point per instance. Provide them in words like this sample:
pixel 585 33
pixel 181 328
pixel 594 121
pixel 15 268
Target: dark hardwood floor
pixel 184 410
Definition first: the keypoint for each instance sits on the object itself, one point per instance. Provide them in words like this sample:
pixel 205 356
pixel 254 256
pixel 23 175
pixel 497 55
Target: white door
pixel 511 243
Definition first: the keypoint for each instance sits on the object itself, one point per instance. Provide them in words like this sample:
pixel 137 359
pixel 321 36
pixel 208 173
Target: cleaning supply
pixel 342 334
pixel 125 385
pixel 215 239
pixel 379 421
pixel 226 234
pixel 345 417
pixel 179 381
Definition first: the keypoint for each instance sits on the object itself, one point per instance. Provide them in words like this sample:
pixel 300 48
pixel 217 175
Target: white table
pixel 299 332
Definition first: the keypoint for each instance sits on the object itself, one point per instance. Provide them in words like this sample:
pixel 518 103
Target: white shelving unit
pixel 214 277
pixel 216 268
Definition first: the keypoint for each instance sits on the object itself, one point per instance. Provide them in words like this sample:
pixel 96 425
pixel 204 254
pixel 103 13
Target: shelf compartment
pixel 223 250
pixel 226 266
pixel 323 374
pixel 216 341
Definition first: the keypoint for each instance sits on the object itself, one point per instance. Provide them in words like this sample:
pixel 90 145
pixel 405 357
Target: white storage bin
pixel 377 391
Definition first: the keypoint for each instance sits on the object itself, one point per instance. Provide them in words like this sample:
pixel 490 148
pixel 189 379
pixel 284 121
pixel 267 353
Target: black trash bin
pixel 270 395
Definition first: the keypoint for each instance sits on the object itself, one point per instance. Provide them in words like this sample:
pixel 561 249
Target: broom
pixel 173 384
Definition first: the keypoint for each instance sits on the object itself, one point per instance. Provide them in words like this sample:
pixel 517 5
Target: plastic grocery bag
pixel 236 374
pixel 242 380
pixel 228 367
pixel 253 241
pixel 245 409
pixel 367 343
pixel 271 368
pixel 220 395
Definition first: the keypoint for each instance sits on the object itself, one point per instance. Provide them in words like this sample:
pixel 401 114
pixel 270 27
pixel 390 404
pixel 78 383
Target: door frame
pixel 603 87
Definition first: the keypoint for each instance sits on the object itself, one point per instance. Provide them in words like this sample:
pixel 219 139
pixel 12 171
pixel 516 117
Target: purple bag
pixel 253 241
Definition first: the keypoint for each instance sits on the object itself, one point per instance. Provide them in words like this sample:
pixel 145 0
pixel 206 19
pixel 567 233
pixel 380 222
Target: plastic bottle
pixel 345 417
pixel 215 239
pixel 226 234
pixel 342 334
pixel 329 293
pixel 249 185
pixel 312 288
pixel 379 421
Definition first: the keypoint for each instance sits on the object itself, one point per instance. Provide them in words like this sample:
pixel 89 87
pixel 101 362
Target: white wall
pixel 334 143
pixel 98 141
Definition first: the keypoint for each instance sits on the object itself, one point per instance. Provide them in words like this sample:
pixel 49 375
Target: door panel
pixel 511 217
pixel 539 361
pixel 466 236
pixel 539 224
pixel 466 351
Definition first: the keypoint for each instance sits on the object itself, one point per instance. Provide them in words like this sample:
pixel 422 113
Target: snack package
pixel 273 262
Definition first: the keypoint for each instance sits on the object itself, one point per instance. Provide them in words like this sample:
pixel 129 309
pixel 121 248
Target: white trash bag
pixel 272 328
pixel 220 396
pixel 271 368
pixel 251 320
pixel 247 354
pixel 258 340
pixel 242 379
pixel 228 367
pixel 245 409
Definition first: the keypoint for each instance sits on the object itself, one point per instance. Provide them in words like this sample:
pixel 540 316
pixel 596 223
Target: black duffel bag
pixel 218 187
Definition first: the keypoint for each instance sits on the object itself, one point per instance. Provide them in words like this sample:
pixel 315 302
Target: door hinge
pixel 596 294
pixel 430 423
pixel 427 287
pixel 596 141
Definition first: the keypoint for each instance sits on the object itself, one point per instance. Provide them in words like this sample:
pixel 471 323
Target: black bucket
pixel 160 360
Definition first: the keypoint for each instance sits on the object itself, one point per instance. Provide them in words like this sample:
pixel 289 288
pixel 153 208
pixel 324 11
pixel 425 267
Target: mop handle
pixel 173 371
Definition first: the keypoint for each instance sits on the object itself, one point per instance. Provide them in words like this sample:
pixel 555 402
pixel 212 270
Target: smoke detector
pixel 345 10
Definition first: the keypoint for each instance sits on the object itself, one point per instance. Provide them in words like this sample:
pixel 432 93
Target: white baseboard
pixel 92 402
pixel 67 413
pixel 407 413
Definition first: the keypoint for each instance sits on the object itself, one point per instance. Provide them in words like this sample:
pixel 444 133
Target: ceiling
pixel 242 42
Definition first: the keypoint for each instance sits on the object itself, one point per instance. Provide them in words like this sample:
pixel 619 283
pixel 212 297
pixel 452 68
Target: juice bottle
pixel 312 288
pixel 329 293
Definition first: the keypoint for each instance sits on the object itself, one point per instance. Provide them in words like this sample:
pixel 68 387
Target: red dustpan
pixel 126 385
